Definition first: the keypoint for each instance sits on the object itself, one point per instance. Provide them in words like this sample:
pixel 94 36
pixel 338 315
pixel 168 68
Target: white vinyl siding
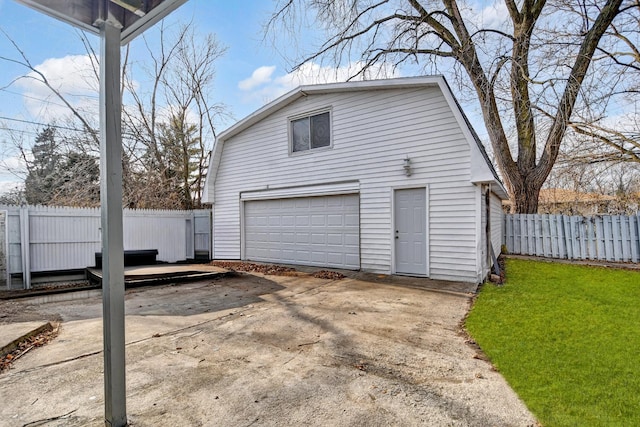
pixel 372 133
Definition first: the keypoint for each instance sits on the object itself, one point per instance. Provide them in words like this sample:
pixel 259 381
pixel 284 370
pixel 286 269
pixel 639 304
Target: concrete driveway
pixel 273 350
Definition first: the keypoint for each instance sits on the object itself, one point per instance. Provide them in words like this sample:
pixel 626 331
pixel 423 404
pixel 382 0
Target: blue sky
pixel 251 73
pixel 236 26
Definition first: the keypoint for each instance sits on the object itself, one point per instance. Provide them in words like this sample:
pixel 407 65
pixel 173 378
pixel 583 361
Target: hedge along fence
pixel 605 238
pixel 47 239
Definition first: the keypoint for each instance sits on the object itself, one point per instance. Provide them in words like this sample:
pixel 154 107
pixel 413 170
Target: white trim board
pixel 347 187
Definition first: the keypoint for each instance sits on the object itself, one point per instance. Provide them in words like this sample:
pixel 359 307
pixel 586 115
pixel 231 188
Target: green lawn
pixel 567 339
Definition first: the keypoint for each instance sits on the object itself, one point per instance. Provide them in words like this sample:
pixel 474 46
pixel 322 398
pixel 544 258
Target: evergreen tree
pixel 42 178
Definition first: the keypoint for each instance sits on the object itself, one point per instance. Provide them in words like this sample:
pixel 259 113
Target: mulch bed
pixel 269 269
pixel 326 274
pixel 274 270
pixel 47 289
pixel 27 345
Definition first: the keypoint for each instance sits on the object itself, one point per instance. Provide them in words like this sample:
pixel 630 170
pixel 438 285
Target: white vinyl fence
pixel 605 238
pixel 43 239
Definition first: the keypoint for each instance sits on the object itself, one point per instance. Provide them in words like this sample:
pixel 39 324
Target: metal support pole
pixel 111 217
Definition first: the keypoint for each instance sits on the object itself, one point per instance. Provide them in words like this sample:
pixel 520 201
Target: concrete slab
pixel 252 350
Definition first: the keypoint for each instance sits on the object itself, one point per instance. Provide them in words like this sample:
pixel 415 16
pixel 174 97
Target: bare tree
pixel 182 73
pixel 527 70
pixel 37 75
pixel 177 109
pixel 606 138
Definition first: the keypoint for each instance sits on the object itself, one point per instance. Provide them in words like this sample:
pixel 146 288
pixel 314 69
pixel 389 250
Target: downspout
pixel 479 245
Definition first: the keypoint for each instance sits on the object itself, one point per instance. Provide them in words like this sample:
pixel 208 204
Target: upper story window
pixel 310 132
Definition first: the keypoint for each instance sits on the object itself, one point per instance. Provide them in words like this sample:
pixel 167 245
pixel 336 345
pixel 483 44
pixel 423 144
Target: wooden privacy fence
pixel 47 239
pixel 605 238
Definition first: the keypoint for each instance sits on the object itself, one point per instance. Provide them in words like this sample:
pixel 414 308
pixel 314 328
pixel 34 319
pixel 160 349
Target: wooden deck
pixel 162 273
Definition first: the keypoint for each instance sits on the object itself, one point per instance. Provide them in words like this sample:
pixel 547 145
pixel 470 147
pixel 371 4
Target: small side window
pixel 311 132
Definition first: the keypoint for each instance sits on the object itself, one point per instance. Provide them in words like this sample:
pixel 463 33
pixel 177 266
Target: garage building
pixel 384 176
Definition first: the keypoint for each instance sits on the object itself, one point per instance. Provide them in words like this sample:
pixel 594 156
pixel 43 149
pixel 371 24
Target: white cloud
pixel 73 76
pixel 311 73
pixel 258 77
pixel 166 112
pixel 7 186
pixel 12 168
pixel 494 15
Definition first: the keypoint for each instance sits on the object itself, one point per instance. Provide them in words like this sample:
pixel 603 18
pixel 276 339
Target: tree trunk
pixel 524 197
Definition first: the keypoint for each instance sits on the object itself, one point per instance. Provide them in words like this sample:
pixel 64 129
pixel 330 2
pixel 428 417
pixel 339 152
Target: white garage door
pixel 319 231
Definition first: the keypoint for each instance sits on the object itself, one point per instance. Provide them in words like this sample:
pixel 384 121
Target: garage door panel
pixel 351 259
pixel 275 238
pixel 336 202
pixel 352 220
pixel 288 220
pixel 335 220
pixel 301 257
pixel 288 237
pixel 317 202
pixel 318 258
pixel 274 220
pixel 334 239
pixel 318 239
pixel 318 220
pixel 320 231
pixel 259 253
pixel 335 258
pixel 302 221
pixel 258 221
pixel 258 237
pixel 286 204
pixel 302 238
pixel 352 240
pixel 275 253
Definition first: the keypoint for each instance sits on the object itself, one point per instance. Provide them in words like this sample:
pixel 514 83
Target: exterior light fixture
pixel 407 166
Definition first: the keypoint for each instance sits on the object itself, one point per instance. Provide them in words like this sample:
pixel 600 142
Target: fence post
pixel 4 249
pixel 634 227
pixel 559 230
pixel 626 222
pixel 566 224
pixel 25 251
pixel 617 231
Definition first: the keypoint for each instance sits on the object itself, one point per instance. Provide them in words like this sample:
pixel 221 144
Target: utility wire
pixel 42 124
pixel 18 130
pixel 44 101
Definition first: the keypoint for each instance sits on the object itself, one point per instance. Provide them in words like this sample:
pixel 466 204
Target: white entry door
pixel 410 231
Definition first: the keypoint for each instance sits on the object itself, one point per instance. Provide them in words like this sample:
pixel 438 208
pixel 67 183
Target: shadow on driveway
pixel 248 350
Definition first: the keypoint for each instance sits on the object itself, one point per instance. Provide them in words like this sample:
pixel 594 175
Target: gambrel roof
pixel 482 170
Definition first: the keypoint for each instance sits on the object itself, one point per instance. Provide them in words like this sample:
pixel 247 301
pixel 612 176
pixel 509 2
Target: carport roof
pixel 135 16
